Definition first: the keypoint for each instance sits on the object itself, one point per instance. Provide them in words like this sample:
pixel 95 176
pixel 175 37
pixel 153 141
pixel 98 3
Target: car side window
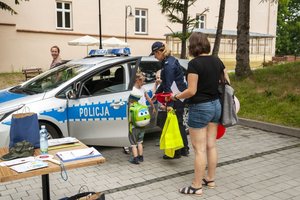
pixel 149 69
pixel 107 81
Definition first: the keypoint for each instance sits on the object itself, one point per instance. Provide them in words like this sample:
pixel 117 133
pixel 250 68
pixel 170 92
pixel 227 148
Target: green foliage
pixel 288 28
pixel 271 94
pixel 177 12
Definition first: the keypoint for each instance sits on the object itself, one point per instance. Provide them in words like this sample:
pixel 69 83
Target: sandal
pixel 190 190
pixel 207 183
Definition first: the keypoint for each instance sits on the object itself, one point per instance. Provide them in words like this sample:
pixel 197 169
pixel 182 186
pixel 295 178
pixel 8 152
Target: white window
pixel 200 21
pixel 63 15
pixel 141 21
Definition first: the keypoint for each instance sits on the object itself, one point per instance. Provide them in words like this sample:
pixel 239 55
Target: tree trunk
pixel 219 29
pixel 242 68
pixel 184 29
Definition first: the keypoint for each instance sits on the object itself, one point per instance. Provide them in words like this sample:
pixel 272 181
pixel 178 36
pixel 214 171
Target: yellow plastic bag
pixel 170 139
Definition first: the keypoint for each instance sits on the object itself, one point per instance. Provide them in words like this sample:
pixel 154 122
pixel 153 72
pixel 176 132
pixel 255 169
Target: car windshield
pixel 52 79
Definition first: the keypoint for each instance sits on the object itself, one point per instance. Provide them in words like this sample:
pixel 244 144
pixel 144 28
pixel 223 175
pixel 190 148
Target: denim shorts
pixel 202 113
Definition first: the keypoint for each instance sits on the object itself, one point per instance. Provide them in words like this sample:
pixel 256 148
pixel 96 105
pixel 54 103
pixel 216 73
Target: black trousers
pixel 179 110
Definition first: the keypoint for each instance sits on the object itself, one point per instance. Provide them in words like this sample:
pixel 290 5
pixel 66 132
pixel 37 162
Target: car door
pixel 99 116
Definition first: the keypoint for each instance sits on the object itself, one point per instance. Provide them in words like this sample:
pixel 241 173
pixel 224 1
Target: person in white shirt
pixel 136 135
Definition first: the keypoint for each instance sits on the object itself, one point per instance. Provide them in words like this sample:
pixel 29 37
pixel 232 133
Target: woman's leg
pixel 212 154
pixel 198 139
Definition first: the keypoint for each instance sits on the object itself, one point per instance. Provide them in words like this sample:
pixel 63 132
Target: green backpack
pixel 140 116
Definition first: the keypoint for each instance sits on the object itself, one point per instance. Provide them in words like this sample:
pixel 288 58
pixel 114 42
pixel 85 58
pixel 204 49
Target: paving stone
pixel 32 197
pixel 6 197
pixel 8 192
pixel 19 195
pixel 2 187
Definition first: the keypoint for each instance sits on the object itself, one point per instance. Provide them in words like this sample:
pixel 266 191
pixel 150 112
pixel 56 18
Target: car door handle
pixel 117 105
pixel 60 110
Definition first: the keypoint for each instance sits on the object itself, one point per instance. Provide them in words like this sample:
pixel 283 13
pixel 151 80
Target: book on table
pixel 78 154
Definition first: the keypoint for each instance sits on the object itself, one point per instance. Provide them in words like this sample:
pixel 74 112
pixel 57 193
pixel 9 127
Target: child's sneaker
pixel 141 158
pixel 134 160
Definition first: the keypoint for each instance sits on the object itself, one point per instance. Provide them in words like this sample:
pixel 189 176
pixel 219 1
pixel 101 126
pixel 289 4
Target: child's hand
pixel 154 110
pixel 153 98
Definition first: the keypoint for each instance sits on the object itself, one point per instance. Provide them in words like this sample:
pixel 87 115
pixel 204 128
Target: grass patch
pixel 271 94
pixel 11 79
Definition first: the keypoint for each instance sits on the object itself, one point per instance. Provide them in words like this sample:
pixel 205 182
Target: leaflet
pixel 60 141
pixel 78 154
pixel 17 161
pixel 37 164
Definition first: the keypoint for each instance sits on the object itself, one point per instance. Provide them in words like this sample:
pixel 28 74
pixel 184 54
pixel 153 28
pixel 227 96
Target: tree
pixel 177 12
pixel 4 6
pixel 242 68
pixel 219 28
pixel 288 28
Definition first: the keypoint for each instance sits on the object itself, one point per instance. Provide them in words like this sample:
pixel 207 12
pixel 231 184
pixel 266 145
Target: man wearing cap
pixel 172 80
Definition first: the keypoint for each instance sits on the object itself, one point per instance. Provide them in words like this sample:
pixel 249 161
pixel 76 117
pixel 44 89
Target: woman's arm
pixel 191 90
pixel 226 75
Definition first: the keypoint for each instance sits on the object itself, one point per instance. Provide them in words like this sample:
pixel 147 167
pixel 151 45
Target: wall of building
pixel 26 38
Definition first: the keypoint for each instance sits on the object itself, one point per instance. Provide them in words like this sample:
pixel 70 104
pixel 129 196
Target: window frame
pixel 199 21
pixel 140 17
pixel 63 11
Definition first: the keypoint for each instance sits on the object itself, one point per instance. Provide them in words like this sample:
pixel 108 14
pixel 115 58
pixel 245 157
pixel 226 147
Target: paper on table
pixel 29 166
pixel 59 141
pixel 78 154
pixel 17 161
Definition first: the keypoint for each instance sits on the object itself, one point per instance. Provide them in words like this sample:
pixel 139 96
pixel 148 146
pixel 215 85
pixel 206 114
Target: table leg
pixel 46 187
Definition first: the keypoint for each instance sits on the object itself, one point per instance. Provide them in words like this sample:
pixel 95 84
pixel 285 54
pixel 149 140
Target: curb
pixel 295 132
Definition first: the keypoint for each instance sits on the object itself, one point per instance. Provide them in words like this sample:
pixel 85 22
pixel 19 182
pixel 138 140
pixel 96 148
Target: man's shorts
pixel 137 136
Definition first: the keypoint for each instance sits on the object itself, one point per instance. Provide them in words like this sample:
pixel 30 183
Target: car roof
pixel 182 62
pixel 102 59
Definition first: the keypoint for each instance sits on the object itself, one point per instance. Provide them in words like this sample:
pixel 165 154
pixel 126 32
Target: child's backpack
pixel 140 116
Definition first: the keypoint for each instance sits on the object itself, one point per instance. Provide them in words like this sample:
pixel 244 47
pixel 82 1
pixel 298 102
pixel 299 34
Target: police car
pixel 85 98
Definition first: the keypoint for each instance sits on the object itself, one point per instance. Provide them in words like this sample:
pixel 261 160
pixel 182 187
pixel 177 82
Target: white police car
pixel 85 98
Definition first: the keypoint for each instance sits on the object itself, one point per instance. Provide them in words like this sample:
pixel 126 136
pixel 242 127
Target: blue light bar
pixel 114 52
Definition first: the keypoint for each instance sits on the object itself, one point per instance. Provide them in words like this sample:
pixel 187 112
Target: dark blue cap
pixel 156 46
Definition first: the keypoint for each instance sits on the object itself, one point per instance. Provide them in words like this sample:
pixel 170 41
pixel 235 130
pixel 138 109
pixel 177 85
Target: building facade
pixel 26 38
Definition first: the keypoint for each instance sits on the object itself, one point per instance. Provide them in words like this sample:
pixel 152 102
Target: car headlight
pixel 7 111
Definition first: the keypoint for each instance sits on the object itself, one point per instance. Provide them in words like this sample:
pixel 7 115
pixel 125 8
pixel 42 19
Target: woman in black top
pixel 204 110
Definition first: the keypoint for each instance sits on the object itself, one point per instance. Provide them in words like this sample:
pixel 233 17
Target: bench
pixel 31 72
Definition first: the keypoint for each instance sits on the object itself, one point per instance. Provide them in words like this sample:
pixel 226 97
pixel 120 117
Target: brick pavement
pixel 253 164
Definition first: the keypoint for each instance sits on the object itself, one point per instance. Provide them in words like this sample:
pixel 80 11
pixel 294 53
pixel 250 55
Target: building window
pixel 63 15
pixel 200 21
pixel 141 21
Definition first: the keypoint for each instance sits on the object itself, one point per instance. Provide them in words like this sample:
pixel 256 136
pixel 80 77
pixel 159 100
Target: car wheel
pixel 52 130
